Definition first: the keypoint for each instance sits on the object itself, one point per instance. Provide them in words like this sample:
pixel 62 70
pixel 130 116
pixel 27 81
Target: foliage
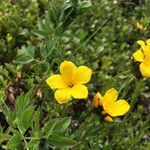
pixel 35 37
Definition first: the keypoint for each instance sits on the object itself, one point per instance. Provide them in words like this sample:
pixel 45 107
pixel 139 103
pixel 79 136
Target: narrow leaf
pixel 60 141
pixel 62 125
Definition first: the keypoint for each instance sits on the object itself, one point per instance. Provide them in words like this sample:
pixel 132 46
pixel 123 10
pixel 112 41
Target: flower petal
pixel 103 113
pixel 138 25
pixel 110 97
pixel 82 75
pixel 147 61
pixel 97 101
pixel 148 42
pixel 145 70
pixel 108 119
pixel 138 55
pixel 140 42
pixel 56 81
pixel 79 91
pixel 63 95
pixel 146 50
pixel 118 108
pixel 67 69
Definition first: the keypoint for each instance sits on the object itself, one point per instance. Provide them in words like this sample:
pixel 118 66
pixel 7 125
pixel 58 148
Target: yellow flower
pixel 111 105
pixel 108 119
pixel 97 99
pixel 103 113
pixel 143 56
pixel 140 26
pixel 70 82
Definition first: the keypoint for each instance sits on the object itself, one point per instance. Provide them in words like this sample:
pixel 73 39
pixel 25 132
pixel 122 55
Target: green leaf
pixel 45 29
pixel 11 68
pixel 33 143
pixel 56 126
pixel 25 55
pixel 48 128
pixel 36 123
pixel 22 103
pixel 4 137
pixel 2 97
pixel 10 115
pixel 62 125
pixel 1 129
pixel 47 49
pixel 85 4
pixel 54 14
pixel 24 121
pixel 60 141
pixel 14 142
pixel 41 33
pixel 27 116
pixel 59 30
pixel 23 111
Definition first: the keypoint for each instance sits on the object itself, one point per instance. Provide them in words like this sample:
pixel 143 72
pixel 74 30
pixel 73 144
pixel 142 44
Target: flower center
pixel 70 84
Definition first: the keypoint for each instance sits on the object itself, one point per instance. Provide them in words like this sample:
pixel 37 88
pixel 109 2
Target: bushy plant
pixel 36 37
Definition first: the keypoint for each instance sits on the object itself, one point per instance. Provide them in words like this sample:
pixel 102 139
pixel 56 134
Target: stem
pixel 26 144
pixel 36 60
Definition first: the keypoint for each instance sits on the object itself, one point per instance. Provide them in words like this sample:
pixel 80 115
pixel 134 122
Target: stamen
pixel 70 84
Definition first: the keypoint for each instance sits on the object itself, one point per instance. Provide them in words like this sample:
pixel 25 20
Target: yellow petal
pixel 108 119
pixel 140 42
pixel 63 95
pixel 67 69
pixel 145 70
pixel 56 81
pixel 118 108
pixel 97 101
pixel 103 113
pixel 148 42
pixel 79 91
pixel 82 75
pixel 109 97
pixel 146 61
pixel 138 55
pixel 146 50
pixel 138 25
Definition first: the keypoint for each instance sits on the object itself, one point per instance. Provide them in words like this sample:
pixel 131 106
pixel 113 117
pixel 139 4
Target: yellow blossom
pixel 140 26
pixel 69 83
pixel 143 56
pixel 97 100
pixel 111 105
pixel 108 119
pixel 103 113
